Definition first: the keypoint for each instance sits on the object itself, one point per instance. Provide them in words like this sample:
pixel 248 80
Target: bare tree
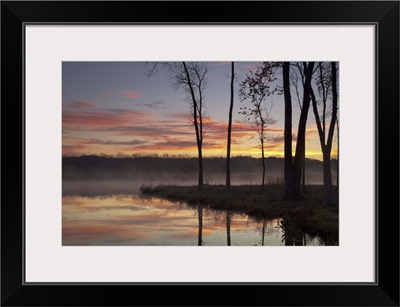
pixel 296 77
pixel 290 185
pixel 257 87
pixel 191 78
pixel 299 159
pixel 295 167
pixel 228 149
pixel 327 86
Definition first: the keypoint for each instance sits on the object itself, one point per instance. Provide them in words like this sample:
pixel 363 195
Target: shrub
pixel 146 189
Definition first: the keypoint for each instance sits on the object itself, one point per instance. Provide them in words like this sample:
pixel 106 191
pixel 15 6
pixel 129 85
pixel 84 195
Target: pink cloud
pixel 132 131
pixel 133 94
pixel 80 105
pixel 182 116
pixel 92 118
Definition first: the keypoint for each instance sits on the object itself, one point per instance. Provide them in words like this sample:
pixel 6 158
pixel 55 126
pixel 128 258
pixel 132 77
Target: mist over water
pixel 102 186
pixel 102 204
pixel 183 171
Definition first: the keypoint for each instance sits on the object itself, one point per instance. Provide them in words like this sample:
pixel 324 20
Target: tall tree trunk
pixel 304 172
pixel 196 126
pixel 327 177
pixel 200 215
pixel 228 150
pixel 326 148
pixel 300 145
pixel 327 167
pixel 228 228
pixel 337 162
pixel 262 154
pixel 263 162
pixel 290 187
pixel 200 151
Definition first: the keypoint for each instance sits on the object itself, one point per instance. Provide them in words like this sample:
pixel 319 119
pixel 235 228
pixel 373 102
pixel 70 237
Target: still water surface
pixel 130 220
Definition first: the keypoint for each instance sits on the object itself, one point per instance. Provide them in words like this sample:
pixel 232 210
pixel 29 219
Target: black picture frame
pixel 383 14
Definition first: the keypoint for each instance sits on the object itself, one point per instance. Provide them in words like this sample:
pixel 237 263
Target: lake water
pixel 129 220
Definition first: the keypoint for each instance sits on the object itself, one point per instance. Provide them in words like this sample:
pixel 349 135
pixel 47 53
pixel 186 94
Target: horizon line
pixel 174 156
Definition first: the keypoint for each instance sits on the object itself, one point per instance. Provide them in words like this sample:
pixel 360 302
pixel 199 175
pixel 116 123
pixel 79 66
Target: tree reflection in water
pixel 293 235
pixel 200 215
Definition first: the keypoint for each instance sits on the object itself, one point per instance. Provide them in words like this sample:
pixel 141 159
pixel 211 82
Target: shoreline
pixel 306 215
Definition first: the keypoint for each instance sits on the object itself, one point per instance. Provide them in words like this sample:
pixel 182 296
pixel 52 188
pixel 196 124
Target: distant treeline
pixel 245 170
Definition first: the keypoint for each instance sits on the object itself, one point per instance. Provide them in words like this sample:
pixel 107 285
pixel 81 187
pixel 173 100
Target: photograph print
pixel 200 153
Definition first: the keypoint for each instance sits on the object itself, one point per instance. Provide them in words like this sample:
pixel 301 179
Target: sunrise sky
pixel 113 107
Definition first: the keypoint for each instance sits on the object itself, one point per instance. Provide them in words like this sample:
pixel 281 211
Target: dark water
pixel 129 220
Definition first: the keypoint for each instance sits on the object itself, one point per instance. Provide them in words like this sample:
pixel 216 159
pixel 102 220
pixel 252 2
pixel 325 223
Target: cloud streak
pixel 89 130
pixel 132 94
pixel 80 105
pixel 156 105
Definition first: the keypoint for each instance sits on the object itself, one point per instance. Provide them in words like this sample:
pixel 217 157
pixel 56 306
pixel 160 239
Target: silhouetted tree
pixel 257 87
pixel 301 132
pixel 228 150
pixel 191 78
pixel 290 185
pixel 296 75
pixel 294 169
pixel 327 79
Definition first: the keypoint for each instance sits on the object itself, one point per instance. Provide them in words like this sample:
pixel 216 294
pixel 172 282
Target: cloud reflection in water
pixel 131 221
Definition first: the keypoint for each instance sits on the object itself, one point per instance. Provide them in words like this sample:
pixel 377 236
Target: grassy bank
pixel 307 215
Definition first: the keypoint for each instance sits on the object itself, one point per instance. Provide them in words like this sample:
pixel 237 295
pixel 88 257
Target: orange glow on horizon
pixel 90 131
